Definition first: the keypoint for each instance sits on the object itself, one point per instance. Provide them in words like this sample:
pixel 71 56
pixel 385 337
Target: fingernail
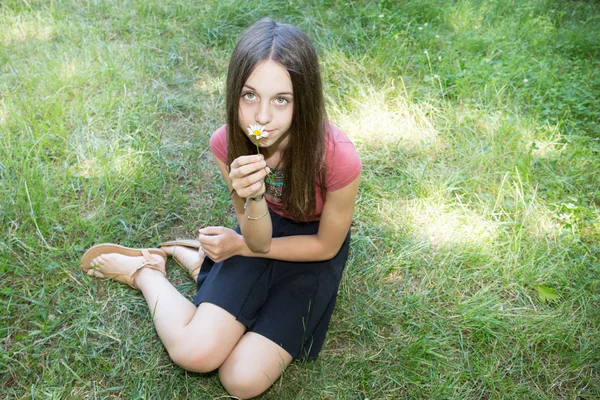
pixel 268 170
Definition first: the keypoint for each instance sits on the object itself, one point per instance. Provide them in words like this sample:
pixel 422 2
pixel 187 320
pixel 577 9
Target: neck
pixel 276 149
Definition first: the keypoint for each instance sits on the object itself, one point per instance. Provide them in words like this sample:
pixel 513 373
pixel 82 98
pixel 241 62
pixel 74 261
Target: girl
pixel 267 289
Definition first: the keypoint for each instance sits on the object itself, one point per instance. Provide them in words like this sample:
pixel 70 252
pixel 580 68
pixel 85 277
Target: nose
pixel 263 114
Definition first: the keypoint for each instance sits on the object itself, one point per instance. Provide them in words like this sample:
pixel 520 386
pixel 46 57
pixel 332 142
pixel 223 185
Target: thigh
pixel 207 339
pixel 253 366
pixel 212 324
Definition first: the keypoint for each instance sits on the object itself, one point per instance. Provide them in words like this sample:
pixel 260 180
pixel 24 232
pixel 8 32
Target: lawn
pixel 474 270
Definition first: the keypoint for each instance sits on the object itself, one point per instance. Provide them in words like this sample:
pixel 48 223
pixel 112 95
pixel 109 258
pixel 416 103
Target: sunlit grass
pixel 2 112
pixel 116 161
pixel 440 225
pixel 19 28
pixel 380 116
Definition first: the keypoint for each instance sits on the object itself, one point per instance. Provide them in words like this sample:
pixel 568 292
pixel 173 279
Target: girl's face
pixel 267 99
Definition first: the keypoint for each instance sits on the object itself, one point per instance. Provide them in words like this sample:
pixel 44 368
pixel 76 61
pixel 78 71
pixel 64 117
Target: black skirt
pixel 289 303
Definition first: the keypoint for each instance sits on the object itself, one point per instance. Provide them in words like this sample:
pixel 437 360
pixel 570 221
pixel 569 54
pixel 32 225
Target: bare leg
pixel 253 366
pixel 190 259
pixel 197 339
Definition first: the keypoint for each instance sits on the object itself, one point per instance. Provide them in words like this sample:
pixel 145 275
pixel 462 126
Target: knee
pixel 244 383
pixel 195 358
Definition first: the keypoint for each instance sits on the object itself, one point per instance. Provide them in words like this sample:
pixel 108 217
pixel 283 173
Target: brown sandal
pixel 107 248
pixel 189 243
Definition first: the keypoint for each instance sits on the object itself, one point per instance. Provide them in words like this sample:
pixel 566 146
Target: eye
pixel 281 101
pixel 249 96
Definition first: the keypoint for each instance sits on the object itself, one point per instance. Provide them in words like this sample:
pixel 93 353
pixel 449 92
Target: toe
pixel 96 261
pixel 95 273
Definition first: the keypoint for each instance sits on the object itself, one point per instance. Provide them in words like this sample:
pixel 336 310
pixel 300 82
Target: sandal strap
pixel 195 267
pixel 150 263
pixel 149 259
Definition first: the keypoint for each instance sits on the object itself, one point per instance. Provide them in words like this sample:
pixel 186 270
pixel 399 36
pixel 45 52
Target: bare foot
pixel 122 268
pixel 190 259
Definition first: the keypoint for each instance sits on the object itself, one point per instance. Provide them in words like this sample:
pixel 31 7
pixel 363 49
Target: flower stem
pixel 267 179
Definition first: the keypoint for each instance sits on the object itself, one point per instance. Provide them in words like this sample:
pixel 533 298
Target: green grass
pixel 478 126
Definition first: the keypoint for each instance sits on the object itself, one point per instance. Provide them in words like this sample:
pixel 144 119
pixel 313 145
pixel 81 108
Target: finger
pixel 243 160
pixel 247 169
pixel 208 241
pixel 250 183
pixel 257 176
pixel 252 191
pixel 212 230
pixel 210 255
pixel 214 256
pixel 212 245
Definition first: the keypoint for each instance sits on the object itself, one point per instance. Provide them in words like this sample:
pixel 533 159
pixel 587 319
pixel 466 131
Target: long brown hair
pixel 304 167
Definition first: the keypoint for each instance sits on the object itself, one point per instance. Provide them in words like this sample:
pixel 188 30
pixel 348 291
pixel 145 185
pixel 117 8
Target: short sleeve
pixel 218 143
pixel 342 162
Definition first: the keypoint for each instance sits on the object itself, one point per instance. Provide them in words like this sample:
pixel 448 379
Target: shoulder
pixel 342 160
pixel 219 136
pixel 218 143
pixel 339 147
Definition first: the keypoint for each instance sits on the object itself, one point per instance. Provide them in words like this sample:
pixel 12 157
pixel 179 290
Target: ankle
pixel 146 274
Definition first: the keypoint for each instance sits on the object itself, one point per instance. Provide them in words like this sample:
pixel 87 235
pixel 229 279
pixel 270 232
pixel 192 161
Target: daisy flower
pixel 258 131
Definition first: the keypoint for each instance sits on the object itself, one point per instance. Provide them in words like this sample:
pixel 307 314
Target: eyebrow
pixel 278 94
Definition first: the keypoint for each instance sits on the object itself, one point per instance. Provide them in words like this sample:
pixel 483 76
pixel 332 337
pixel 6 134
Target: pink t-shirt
pixel 341 159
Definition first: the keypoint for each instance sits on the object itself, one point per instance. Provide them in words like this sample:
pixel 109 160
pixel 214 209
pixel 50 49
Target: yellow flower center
pixel 257 133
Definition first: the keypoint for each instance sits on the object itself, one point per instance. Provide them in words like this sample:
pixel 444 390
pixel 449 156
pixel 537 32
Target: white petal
pixel 257 127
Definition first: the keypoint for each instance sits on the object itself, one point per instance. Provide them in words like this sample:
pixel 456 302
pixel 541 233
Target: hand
pixel 220 243
pixel 247 174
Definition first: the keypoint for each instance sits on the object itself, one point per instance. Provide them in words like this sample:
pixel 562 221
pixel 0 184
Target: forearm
pixel 301 248
pixel 256 226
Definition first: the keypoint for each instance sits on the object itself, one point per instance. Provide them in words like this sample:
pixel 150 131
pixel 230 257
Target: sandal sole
pixel 194 244
pixel 106 248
